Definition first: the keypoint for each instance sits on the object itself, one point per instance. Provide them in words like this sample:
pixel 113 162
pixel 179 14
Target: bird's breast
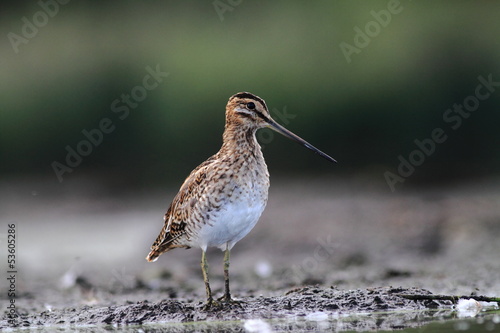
pixel 235 206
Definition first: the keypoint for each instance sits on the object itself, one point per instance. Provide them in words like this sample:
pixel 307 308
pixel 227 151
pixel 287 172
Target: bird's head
pixel 246 110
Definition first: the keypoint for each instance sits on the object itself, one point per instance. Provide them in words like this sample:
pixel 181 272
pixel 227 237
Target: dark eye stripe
pixel 244 114
pixel 261 116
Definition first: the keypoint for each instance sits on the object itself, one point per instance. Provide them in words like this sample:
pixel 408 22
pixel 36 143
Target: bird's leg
pixel 204 269
pixel 227 294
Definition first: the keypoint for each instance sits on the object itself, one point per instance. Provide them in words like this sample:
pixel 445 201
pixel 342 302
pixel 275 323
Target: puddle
pixel 401 321
pixel 412 321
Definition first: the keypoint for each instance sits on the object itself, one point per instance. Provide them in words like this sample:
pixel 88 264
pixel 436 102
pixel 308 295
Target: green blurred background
pixel 365 111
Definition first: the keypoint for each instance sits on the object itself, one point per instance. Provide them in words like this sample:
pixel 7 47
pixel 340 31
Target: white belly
pixel 231 223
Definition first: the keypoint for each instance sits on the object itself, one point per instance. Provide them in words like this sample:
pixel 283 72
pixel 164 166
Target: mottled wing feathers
pixel 179 212
pixel 165 239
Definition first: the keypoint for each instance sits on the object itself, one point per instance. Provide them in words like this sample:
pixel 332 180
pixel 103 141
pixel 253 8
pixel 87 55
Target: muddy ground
pixel 322 248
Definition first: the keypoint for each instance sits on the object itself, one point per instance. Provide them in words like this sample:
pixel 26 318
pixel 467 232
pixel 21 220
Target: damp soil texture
pixel 319 252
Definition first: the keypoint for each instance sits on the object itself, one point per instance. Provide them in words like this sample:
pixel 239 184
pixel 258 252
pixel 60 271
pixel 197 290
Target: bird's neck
pixel 241 140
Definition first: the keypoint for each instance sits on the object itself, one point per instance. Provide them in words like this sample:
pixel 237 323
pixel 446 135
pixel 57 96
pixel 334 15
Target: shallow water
pixel 422 321
pixel 400 321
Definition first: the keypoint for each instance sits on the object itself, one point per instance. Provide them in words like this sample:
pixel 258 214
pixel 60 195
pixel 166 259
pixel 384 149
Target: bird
pixel 222 199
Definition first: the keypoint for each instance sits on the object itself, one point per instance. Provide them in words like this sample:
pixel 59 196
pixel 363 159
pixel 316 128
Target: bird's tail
pixel 157 250
pixel 164 243
pixel 153 255
pixel 158 246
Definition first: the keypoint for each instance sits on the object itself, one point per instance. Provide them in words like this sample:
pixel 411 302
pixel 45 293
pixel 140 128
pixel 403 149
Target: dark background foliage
pixel 365 109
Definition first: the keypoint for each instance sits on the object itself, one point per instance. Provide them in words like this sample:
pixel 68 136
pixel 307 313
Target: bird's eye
pixel 251 105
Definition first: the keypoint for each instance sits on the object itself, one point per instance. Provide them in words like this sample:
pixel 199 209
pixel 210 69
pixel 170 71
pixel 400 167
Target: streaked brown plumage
pixel 222 199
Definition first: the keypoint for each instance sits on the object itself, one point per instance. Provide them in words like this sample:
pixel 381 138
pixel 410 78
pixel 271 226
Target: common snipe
pixel 222 199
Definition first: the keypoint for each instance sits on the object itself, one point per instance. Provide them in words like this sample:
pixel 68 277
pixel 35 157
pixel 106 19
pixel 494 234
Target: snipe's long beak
pixel 280 129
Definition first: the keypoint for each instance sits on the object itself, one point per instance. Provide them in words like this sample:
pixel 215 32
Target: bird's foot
pixel 221 303
pixel 211 304
pixel 226 299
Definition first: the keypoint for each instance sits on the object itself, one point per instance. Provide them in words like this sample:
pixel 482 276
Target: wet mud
pixel 307 302
pixel 337 254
